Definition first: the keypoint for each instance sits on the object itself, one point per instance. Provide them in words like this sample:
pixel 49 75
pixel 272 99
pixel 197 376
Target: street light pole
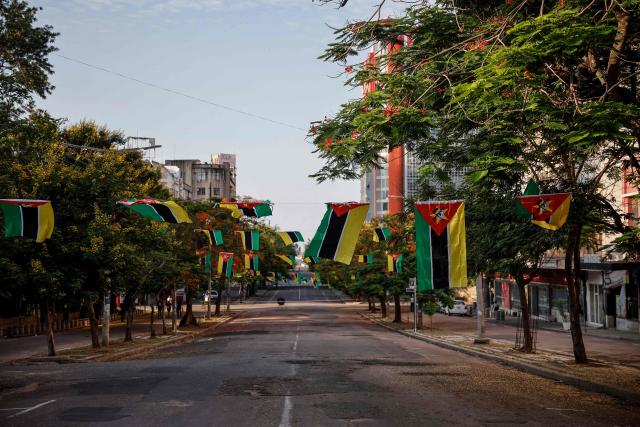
pixel 480 337
pixel 209 287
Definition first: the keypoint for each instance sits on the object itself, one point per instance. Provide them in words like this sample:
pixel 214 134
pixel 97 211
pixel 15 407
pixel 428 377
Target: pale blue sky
pixel 253 55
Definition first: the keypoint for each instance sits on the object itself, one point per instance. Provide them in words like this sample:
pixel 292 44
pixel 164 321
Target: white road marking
pixel 295 343
pixel 11 409
pixel 285 421
pixel 39 405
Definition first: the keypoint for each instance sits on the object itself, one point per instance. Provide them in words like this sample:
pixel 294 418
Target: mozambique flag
pixel 338 232
pixel 548 211
pixel 253 209
pixel 441 248
pixel 214 236
pixel 381 234
pixel 394 263
pixel 251 262
pixel 531 189
pixel 289 237
pixel 289 259
pixel 365 259
pixel 157 210
pixel 225 264
pixel 207 263
pixel 27 218
pixel 250 240
pixel 311 260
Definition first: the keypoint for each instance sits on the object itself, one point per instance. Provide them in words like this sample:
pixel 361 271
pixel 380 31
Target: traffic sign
pixel 410 290
pixel 412 282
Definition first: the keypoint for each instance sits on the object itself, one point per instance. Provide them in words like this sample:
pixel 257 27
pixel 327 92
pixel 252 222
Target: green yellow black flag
pixel 441 251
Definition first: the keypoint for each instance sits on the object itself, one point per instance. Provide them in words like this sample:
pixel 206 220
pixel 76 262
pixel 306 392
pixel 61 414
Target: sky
pixel 258 56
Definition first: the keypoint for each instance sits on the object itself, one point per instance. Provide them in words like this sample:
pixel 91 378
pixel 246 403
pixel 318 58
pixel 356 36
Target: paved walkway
pixel 626 352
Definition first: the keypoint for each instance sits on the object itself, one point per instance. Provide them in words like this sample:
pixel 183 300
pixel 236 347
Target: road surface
pixel 309 363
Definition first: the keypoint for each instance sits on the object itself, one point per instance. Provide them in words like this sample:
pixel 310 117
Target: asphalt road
pixel 312 362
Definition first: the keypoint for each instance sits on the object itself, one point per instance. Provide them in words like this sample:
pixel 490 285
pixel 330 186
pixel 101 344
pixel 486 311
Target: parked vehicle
pixel 214 296
pixel 459 308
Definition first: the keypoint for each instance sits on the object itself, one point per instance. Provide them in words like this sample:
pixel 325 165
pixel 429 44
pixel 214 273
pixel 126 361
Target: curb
pixel 167 343
pixel 522 366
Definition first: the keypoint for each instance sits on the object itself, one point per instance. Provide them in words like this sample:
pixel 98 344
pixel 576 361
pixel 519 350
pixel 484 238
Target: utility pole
pixel 228 294
pixel 480 336
pixel 106 311
pixel 174 314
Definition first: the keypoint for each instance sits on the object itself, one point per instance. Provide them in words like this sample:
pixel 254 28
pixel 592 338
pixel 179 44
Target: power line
pixel 175 92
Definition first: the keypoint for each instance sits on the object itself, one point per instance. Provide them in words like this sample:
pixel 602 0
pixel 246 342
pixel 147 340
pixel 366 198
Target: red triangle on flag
pixel 342 208
pixel 226 255
pixel 438 214
pixel 542 206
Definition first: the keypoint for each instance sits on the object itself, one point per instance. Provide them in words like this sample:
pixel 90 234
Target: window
pixel 201 176
pixel 201 191
pixel 216 191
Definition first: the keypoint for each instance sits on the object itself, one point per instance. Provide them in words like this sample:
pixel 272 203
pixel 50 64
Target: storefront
pixel 611 295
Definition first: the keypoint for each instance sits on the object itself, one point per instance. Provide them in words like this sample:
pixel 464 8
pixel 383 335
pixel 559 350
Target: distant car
pixel 214 296
pixel 459 308
pixel 442 308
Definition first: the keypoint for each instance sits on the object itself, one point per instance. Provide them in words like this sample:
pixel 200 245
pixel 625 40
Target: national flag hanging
pixel 531 189
pixel 381 234
pixel 207 263
pixel 289 259
pixel 312 260
pixel 225 264
pixel 251 262
pixel 394 263
pixel 256 209
pixel 290 237
pixel 214 236
pixel 365 259
pixel 250 240
pixel 548 211
pixel 27 218
pixel 157 210
pixel 440 245
pixel 338 232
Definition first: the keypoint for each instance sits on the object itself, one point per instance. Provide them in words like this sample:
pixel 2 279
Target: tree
pixel 506 89
pixel 24 62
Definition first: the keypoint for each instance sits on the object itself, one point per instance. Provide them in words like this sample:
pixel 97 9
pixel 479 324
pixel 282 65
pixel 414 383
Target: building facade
pixel 207 181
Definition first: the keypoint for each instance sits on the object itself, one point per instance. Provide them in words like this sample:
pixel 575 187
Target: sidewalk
pixel 614 367
pixel 75 344
pixel 586 330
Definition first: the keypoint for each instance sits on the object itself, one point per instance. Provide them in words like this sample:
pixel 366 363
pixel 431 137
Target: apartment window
pixel 201 191
pixel 216 191
pixel 201 176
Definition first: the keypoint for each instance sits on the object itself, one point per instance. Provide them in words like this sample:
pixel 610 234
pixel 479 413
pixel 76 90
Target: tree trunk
pixel 397 315
pixel 130 306
pixel 527 346
pixel 188 318
pixel 617 50
pixel 241 293
pixel 93 324
pixel 572 274
pixel 220 286
pixel 419 314
pixel 383 307
pixel 51 345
